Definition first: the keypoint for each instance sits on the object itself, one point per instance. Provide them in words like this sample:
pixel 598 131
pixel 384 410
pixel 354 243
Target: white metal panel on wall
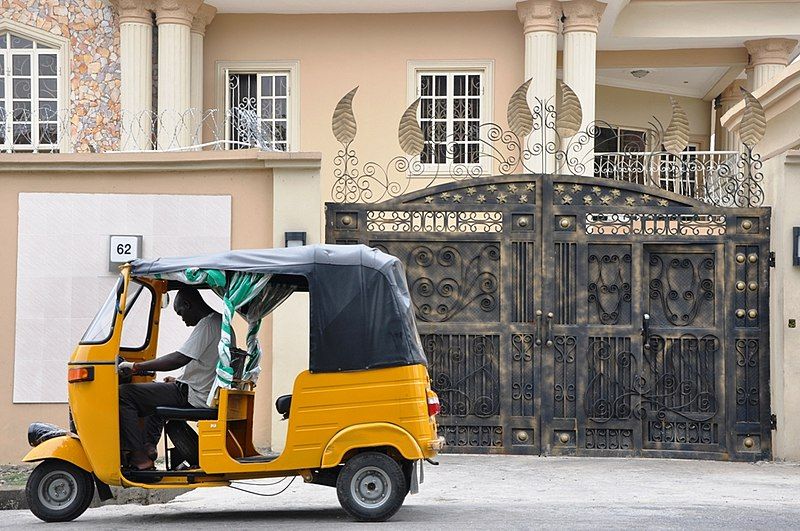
pixel 63 277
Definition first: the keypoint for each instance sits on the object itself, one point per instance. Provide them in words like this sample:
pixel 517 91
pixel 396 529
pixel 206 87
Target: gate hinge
pixel 772 258
pixel 773 422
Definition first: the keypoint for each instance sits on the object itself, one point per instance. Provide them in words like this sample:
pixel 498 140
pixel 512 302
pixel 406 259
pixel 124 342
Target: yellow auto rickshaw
pixel 361 418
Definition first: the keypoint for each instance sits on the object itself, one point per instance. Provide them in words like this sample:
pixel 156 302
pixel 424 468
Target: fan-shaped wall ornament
pixel 343 122
pixel 520 118
pixel 409 132
pixel 754 121
pixel 676 136
pixel 570 114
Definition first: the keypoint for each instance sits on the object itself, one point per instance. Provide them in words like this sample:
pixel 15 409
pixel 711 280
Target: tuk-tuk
pixel 361 418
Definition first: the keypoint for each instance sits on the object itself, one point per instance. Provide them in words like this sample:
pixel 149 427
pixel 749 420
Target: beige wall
pixel 636 108
pixel 338 52
pixel 245 176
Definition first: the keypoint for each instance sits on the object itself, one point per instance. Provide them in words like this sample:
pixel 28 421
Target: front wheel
pixel 58 491
pixel 371 487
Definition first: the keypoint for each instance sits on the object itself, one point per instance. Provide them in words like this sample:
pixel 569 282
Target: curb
pixel 13 498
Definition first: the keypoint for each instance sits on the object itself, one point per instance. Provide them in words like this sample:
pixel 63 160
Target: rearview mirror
pixel 165 300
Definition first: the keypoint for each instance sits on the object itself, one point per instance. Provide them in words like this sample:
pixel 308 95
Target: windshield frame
pixel 118 290
pixel 151 312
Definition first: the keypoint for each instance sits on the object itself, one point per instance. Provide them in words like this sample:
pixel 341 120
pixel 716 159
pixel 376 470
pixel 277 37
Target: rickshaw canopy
pixel 361 315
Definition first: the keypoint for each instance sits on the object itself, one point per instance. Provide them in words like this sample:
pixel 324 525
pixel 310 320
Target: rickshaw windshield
pixel 102 325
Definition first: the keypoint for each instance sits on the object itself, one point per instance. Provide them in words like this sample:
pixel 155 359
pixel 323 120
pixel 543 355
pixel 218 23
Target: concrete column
pixel 136 61
pixel 768 58
pixel 197 33
pixel 750 73
pixel 296 199
pixel 540 19
pixel 174 19
pixel 581 19
pixel 726 139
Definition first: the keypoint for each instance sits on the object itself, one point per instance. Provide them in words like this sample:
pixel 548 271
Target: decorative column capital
pixel 176 11
pixel 203 18
pixel 134 11
pixel 770 51
pixel 731 95
pixel 582 15
pixel 539 15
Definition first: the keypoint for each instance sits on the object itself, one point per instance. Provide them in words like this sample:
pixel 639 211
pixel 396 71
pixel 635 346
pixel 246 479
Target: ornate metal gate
pixel 586 316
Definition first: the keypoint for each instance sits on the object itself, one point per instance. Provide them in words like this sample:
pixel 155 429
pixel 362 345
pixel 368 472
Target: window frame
pixel 290 68
pixel 483 67
pixel 61 48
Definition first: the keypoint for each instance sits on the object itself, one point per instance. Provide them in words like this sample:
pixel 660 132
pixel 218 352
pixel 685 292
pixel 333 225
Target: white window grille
pixel 29 94
pixel 451 112
pixel 260 108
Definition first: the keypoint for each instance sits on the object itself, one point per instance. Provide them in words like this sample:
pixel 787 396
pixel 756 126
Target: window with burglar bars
pixel 259 110
pixel 29 89
pixel 451 105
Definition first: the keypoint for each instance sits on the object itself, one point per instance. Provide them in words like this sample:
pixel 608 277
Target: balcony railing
pixel 699 174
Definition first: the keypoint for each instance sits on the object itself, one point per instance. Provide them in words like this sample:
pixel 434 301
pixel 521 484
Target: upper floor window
pixel 259 107
pixel 29 94
pixel 451 114
pixel 455 101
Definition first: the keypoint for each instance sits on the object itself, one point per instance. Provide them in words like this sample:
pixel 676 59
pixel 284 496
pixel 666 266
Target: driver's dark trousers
pixel 139 400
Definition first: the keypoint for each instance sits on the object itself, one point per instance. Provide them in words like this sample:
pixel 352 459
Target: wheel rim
pixel 371 487
pixel 58 489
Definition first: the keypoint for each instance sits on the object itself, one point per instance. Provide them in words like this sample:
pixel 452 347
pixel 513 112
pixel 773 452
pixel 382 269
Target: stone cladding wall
pixel 92 27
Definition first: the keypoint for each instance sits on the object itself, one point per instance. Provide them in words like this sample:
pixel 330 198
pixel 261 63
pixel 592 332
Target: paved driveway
pixel 503 492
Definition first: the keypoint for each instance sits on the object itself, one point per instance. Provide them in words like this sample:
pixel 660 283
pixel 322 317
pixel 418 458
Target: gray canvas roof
pixel 362 314
pixel 289 260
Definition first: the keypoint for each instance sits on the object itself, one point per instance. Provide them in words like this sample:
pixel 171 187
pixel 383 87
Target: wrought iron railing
pixel 540 139
pixel 698 174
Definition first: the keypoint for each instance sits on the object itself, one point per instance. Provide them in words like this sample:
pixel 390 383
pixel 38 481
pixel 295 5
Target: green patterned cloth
pixel 236 291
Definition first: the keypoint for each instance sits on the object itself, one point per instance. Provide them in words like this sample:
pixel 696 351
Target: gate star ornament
pixel 501 197
pixel 576 188
pixel 587 200
pixel 567 199
pixel 559 189
pixel 457 198
pixel 531 187
pixel 523 198
pixel 471 190
pixel 646 198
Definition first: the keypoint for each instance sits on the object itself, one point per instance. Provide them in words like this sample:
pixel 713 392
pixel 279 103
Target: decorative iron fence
pixel 541 140
pixel 698 174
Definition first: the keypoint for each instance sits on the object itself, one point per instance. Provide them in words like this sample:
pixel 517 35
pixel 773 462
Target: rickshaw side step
pixel 154 476
pixel 265 458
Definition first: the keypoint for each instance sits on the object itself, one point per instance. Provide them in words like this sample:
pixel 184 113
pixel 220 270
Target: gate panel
pixel 574 315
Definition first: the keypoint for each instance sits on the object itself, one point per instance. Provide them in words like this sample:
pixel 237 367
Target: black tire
pixel 58 491
pixel 371 487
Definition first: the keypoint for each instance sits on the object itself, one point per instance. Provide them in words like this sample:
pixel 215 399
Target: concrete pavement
pixel 502 492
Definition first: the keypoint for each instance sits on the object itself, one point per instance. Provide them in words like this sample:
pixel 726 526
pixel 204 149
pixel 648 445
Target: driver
pixel 198 356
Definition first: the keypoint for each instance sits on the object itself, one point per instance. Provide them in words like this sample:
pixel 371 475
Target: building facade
pixel 205 126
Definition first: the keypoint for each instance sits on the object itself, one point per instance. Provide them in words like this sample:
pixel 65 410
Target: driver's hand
pixel 125 368
pixel 169 379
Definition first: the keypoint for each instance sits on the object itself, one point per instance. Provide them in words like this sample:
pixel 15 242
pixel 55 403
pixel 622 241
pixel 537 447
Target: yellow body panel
pixel 382 407
pixel 66 448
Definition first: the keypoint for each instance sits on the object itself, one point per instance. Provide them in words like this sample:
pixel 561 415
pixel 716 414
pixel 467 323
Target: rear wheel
pixel 371 487
pixel 58 491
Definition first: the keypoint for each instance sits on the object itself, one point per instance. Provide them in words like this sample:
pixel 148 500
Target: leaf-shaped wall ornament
pixel 520 118
pixel 343 122
pixel 409 132
pixel 570 114
pixel 676 136
pixel 754 121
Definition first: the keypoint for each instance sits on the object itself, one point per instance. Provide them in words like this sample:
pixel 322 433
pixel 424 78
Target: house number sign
pixel 122 249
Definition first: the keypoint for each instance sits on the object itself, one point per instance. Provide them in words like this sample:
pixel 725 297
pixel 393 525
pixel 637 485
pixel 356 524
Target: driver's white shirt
pixel 202 346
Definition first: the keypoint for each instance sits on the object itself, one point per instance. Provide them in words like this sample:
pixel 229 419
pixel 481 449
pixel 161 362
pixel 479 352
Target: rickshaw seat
pixel 189 413
pixel 283 404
